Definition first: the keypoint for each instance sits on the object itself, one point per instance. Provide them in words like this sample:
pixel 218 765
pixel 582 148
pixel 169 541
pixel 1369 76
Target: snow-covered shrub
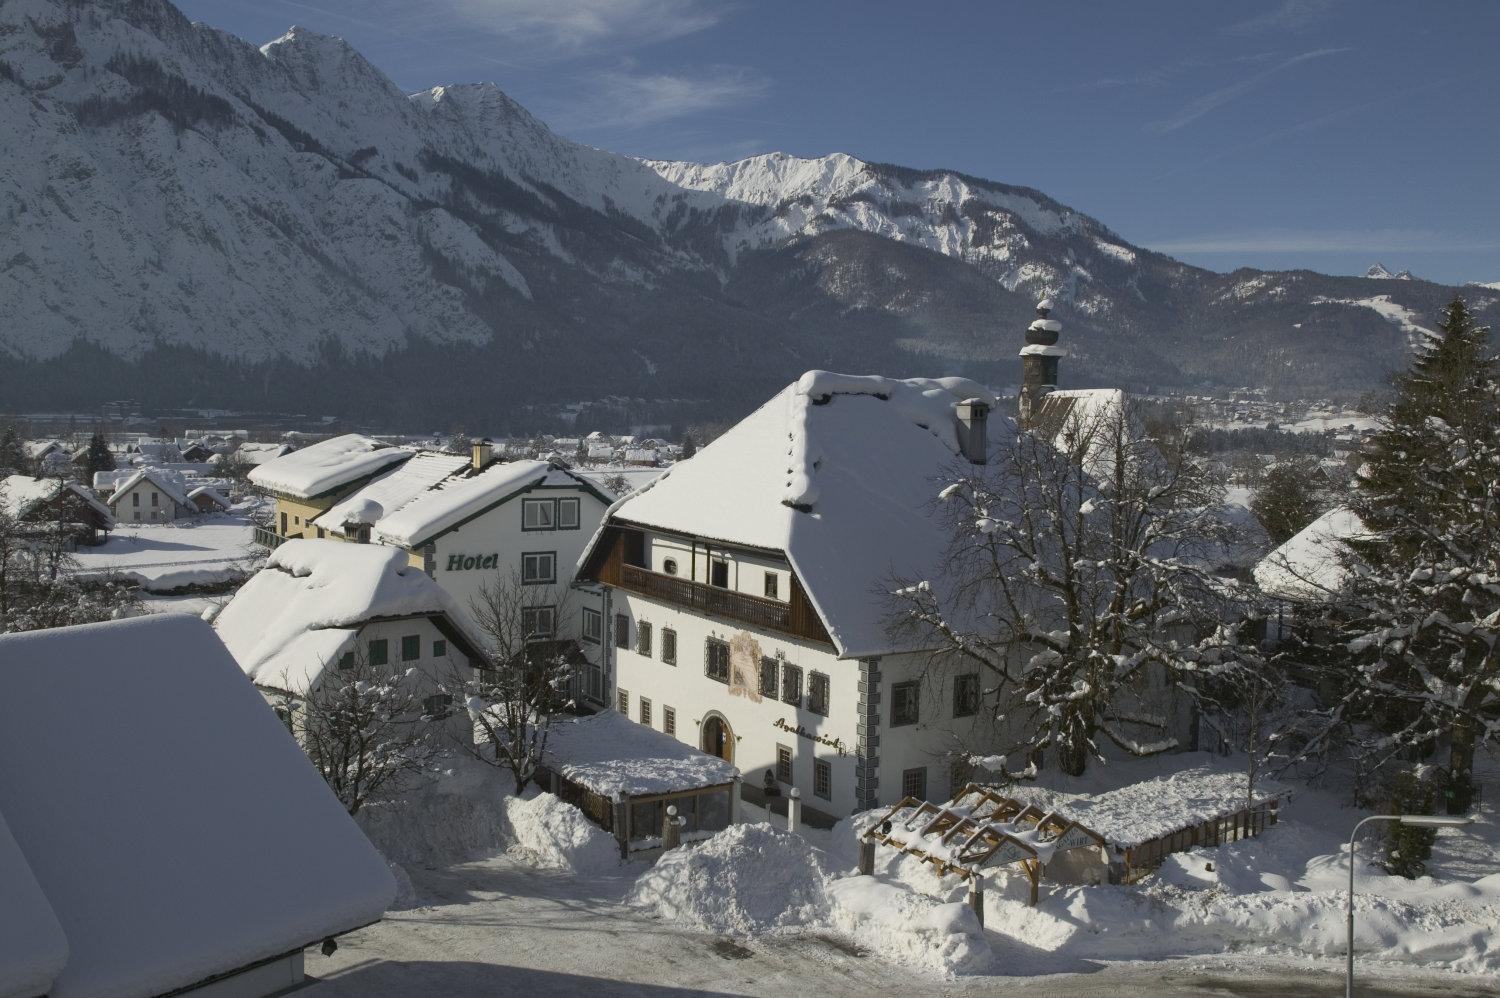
pixel 746 880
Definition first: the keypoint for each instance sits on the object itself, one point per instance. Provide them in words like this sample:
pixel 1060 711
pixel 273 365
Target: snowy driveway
pixel 500 926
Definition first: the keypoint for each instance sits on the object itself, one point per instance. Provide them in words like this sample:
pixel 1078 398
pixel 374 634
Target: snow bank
pixel 452 817
pixel 556 834
pixel 744 881
pixel 909 928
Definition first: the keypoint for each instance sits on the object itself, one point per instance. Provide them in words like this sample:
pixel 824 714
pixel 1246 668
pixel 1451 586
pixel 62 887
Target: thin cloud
pixel 1213 100
pixel 1316 122
pixel 577 25
pixel 1161 75
pixel 1289 15
pixel 1325 241
pixel 626 99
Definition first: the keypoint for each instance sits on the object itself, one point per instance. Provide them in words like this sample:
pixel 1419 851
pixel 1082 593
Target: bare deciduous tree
pixel 528 682
pixel 1079 583
pixel 366 729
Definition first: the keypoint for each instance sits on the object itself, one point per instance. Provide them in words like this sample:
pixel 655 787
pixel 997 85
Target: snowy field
pixel 161 557
pixel 526 895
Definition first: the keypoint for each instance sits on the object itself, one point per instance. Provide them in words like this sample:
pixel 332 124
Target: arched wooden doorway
pixel 718 737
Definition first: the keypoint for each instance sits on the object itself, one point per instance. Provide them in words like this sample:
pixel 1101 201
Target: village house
pixel 151 848
pixel 149 495
pixel 42 503
pixel 321 607
pixel 475 522
pixel 306 482
pixel 749 587
pixel 744 591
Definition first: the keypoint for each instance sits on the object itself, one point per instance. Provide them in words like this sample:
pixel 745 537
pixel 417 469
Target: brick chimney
pixel 1039 362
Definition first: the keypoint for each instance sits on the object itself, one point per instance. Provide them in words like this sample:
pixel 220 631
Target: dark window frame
pixel 383 657
pixel 773 585
pixel 644 710
pixel 528 504
pixel 590 615
pixel 550 580
pixel 914 782
pixel 815 703
pixel 568 502
pixel 770 677
pixel 622 631
pixel 786 762
pixel 966 694
pixel 711 646
pixel 412 643
pixel 440 648
pixel 669 720
pixel 540 634
pixel 823 779
pixel 791 685
pixel 668 646
pixel 900 692
pixel 622 702
pixel 643 638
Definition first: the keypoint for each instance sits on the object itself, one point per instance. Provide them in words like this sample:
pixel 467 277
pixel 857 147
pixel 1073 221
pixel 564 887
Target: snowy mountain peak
pixel 1379 273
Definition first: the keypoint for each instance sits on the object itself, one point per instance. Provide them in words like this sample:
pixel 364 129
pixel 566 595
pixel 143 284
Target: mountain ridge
pixel 287 225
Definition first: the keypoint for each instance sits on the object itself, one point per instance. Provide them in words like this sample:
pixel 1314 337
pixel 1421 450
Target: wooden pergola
pixel 981 828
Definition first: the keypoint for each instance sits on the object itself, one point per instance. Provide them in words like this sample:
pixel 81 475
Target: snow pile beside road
pixel 556 834
pixel 452 817
pixel 908 927
pixel 746 880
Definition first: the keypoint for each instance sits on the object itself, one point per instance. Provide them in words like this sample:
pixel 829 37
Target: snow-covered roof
pixel 1082 419
pixel 210 493
pixel 1313 564
pixel 1138 812
pixel 840 473
pixel 20 493
pixel 435 510
pixel 174 827
pixel 392 489
pixel 33 948
pixel 616 758
pixel 305 608
pixel 327 465
pixel 169 484
pixel 260 453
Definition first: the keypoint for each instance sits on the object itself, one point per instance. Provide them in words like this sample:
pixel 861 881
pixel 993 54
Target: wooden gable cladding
pixel 615 562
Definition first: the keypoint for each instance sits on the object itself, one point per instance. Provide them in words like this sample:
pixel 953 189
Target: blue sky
pixel 1318 133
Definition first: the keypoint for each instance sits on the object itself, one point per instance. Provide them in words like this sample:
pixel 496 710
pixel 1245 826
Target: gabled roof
pixel 839 472
pixel 168 484
pixel 392 489
pixel 303 610
pixel 21 494
pixel 330 464
pixel 453 502
pixel 1314 565
pixel 174 827
pixel 210 493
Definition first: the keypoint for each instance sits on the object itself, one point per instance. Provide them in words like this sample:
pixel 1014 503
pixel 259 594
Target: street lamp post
pixel 1415 820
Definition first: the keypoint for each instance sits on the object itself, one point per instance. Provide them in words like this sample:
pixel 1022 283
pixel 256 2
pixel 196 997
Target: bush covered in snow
pixel 746 880
pixel 556 834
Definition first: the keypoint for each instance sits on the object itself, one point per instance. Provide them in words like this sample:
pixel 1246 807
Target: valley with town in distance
pixel 439 556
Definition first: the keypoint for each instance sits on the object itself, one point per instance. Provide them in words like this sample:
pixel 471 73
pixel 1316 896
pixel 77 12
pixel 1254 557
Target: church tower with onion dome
pixel 1039 361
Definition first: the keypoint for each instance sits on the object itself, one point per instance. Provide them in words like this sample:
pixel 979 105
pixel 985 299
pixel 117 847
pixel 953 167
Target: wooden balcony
pixel 795 617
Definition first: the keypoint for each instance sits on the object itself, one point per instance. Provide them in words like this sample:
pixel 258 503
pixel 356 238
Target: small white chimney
pixel 973 429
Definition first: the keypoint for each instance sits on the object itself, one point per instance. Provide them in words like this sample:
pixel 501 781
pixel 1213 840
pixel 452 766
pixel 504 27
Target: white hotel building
pixel 748 591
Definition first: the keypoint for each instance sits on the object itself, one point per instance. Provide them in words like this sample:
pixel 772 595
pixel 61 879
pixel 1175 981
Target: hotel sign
pixel 470 562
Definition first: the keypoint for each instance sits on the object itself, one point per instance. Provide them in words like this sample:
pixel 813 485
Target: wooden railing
pixel 268 538
pixel 724 603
